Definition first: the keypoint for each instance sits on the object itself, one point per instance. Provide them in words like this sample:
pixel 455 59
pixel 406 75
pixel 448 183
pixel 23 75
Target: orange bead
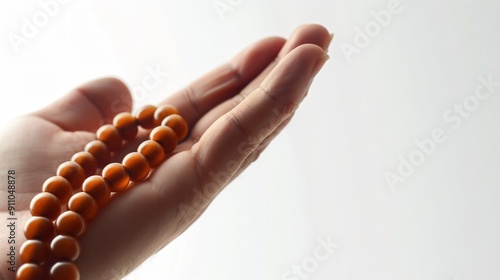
pixel 34 251
pixel 83 204
pixel 137 166
pixel 146 116
pixel 166 137
pixel 117 176
pixel 87 161
pixel 64 271
pixel 71 223
pixel 30 271
pixel 178 124
pixel 110 135
pixel 45 205
pixel 39 228
pixel 163 112
pixel 100 152
pixel 65 247
pixel 58 186
pixel 98 188
pixel 126 125
pixel 153 152
pixel 73 172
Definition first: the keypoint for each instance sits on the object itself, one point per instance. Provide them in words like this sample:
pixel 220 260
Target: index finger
pixel 236 135
pixel 224 81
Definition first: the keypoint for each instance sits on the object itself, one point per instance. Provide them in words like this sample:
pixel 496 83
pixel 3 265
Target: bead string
pixel 52 244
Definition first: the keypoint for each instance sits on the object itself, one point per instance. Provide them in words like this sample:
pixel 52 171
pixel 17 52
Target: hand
pixel 233 113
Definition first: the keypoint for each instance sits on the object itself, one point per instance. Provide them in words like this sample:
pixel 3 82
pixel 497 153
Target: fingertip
pixel 109 94
pixel 312 28
pixel 295 72
pixel 257 56
pixel 89 106
pixel 308 34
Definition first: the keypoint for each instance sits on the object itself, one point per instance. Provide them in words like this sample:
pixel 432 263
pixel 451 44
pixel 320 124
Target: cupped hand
pixel 233 113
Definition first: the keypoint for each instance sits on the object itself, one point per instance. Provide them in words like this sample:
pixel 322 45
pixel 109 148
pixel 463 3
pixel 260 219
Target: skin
pixel 233 113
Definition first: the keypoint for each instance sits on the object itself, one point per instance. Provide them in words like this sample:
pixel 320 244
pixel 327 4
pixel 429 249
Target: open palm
pixel 233 113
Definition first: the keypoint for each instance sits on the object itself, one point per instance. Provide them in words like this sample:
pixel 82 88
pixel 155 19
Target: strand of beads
pixel 52 233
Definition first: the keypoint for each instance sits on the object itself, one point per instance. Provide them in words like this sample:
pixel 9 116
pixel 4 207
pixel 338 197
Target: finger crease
pixel 199 170
pixel 234 120
pixel 94 104
pixel 269 94
pixel 237 99
pixel 236 73
pixel 190 95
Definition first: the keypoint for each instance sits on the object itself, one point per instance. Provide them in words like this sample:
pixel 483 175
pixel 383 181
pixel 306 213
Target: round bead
pixel 110 136
pixel 166 137
pixel 87 161
pixel 64 271
pixel 45 205
pixel 39 228
pixel 83 204
pixel 30 271
pixel 65 247
pixel 178 124
pixel 146 116
pixel 100 152
pixel 34 251
pixel 117 176
pixel 126 125
pixel 73 172
pixel 71 223
pixel 137 166
pixel 163 112
pixel 153 152
pixel 98 188
pixel 58 186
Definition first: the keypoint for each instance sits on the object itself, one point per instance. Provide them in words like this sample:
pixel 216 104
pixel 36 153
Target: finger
pixel 306 34
pixel 162 207
pixel 224 81
pixel 89 106
pixel 207 92
pixel 262 146
pixel 237 134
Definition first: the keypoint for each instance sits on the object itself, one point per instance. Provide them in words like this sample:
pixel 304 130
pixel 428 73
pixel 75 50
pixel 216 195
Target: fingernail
pixel 329 42
pixel 319 63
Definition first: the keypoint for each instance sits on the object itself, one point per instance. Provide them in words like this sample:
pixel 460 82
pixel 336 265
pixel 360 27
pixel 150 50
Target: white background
pixel 323 177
